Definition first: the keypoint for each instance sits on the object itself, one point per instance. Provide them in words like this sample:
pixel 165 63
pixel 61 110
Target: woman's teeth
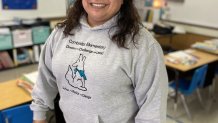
pixel 98 5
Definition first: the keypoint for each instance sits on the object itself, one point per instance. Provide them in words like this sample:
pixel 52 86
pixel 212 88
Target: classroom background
pixel 187 31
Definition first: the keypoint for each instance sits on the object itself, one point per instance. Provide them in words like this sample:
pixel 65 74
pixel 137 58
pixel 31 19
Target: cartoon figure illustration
pixel 76 74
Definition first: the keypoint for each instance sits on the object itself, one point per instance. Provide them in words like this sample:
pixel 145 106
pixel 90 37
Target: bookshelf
pixel 150 10
pixel 21 44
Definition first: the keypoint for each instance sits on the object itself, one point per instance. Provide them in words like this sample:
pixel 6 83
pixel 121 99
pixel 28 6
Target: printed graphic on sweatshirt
pixel 75 74
pixel 86 47
pixel 77 93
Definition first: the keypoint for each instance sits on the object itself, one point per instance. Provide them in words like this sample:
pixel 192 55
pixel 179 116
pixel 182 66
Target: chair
pixel 1 118
pixel 212 89
pixel 19 114
pixel 187 86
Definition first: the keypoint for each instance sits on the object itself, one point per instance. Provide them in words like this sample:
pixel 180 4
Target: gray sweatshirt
pixel 99 82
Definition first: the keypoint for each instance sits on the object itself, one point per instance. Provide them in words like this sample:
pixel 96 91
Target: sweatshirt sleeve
pixel 45 89
pixel 151 86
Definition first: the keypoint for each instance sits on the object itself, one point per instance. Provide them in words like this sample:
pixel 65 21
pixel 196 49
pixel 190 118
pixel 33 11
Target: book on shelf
pixel 149 16
pixel 36 52
pixel 31 55
pixel 5 60
pixel 182 57
pixel 1 65
pixel 23 55
pixel 41 47
pixel 15 57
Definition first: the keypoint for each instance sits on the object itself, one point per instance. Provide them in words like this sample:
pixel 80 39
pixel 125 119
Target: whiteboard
pixel 45 9
pixel 197 12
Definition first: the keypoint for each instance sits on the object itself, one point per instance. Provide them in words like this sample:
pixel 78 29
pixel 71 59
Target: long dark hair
pixel 128 22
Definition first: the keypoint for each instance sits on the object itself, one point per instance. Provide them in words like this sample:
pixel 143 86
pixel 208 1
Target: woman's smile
pixel 98 5
pixel 100 11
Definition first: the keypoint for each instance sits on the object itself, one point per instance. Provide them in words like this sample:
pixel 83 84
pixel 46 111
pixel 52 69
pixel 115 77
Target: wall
pixel 196 16
pixel 196 29
pixel 198 12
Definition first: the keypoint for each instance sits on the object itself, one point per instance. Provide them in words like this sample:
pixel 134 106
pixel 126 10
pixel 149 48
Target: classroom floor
pixel 201 114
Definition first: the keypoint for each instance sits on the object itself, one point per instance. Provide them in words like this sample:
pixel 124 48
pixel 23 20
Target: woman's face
pixel 99 11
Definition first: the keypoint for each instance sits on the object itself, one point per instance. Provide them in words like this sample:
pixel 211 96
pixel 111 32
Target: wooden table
pixel 203 58
pixel 12 95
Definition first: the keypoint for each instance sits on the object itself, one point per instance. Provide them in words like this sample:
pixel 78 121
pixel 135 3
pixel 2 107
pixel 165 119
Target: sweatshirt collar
pixel 108 24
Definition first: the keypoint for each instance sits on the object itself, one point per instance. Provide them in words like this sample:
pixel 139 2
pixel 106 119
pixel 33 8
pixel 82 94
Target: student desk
pixel 11 95
pixel 203 58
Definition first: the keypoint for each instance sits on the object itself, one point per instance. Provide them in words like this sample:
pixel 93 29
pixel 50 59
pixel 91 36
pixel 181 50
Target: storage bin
pixel 5 39
pixel 5 42
pixel 40 34
pixel 22 37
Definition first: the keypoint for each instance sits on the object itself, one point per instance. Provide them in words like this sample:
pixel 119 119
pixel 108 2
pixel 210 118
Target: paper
pixel 208 45
pixel 31 77
pixel 182 57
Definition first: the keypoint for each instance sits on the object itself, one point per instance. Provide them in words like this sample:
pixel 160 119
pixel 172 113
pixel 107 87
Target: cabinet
pixel 21 44
pixel 180 41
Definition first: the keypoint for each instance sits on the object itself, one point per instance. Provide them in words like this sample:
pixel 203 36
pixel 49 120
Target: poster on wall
pixel 19 4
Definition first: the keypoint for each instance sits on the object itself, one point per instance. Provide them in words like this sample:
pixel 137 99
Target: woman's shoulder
pixel 55 35
pixel 57 31
pixel 144 39
pixel 145 43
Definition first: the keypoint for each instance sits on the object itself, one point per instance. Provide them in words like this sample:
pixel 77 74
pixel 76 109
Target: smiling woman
pixel 104 54
pixel 128 20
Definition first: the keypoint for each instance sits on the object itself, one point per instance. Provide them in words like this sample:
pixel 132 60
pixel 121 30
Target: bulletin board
pixel 196 12
pixel 19 4
pixel 43 9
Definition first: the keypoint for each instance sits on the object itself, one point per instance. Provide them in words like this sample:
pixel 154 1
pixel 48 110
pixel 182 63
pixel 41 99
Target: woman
pixel 106 67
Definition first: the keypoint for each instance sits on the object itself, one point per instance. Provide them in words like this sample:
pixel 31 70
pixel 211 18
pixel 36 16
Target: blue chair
pixel 212 89
pixel 19 114
pixel 189 86
pixel 1 118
